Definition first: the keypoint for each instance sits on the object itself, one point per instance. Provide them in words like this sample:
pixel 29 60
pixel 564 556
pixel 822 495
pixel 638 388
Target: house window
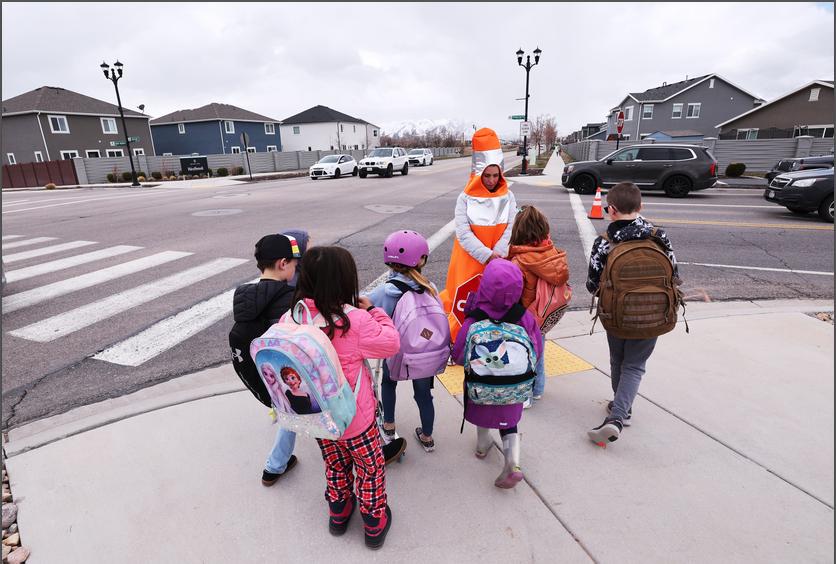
pixel 341 128
pixel 114 153
pixel 677 111
pixel 749 134
pixel 819 131
pixel 93 153
pixel 139 151
pixel 374 132
pixel 628 113
pixel 236 150
pixel 181 128
pixel 168 154
pixel 711 83
pixel 251 149
pixel 271 148
pixel 109 126
pixel 67 155
pixel 11 158
pixel 58 124
pixel 814 94
pixel 354 128
pixel 693 111
pixel 647 111
pixel 39 158
pixel 296 130
pixel 269 128
pixel 229 127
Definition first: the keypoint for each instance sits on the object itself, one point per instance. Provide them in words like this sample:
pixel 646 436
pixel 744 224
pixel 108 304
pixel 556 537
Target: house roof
pixel 61 100
pixel 320 114
pixel 668 91
pixel 212 112
pixel 681 133
pixel 826 83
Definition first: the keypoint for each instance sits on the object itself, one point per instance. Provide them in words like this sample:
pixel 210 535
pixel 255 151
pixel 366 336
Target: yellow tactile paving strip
pixel 559 362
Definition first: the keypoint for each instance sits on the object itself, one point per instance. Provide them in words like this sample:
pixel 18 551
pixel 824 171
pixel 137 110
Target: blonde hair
pixel 415 274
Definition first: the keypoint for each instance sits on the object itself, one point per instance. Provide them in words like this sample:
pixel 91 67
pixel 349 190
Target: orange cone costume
pixel 483 221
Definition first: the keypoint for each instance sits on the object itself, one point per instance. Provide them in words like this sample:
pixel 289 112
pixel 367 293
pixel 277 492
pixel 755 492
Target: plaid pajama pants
pixel 361 455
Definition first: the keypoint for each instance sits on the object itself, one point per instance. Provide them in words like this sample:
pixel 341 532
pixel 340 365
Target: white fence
pixel 759 155
pixel 95 171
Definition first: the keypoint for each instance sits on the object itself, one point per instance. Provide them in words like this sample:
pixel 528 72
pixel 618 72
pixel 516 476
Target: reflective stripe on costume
pixel 489 211
pixel 481 159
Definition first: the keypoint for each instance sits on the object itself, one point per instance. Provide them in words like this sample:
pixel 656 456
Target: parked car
pixel 334 166
pixel 384 161
pixel 676 169
pixel 805 163
pixel 421 157
pixel 804 191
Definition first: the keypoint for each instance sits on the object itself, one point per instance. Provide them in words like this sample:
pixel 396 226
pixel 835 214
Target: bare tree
pixel 550 131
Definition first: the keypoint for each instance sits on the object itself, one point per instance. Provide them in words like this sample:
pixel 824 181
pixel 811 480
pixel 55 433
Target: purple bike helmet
pixel 405 247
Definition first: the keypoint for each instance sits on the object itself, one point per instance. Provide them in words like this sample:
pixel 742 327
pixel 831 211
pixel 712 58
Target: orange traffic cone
pixel 596 212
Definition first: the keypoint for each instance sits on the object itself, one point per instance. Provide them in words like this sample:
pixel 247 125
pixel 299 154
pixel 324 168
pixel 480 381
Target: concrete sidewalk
pixel 729 459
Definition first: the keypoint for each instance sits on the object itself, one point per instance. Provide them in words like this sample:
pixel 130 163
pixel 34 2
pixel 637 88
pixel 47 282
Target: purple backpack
pixel 425 335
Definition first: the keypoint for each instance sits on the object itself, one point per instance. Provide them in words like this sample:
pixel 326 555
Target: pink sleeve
pixel 378 337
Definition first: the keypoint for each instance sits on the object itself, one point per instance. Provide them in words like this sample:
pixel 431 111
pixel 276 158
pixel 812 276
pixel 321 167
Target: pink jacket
pixel 371 335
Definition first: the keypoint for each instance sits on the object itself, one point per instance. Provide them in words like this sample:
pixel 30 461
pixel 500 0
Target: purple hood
pixel 501 287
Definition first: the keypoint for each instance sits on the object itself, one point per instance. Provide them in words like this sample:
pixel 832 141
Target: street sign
pixel 133 139
pixel 117 143
pixel 245 140
pixel 518 116
pixel 619 122
pixel 460 298
pixel 525 128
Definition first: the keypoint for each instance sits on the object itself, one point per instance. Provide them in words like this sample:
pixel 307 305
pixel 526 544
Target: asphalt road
pixel 756 250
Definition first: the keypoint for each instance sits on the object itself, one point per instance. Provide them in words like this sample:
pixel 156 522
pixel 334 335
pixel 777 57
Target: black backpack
pixel 240 337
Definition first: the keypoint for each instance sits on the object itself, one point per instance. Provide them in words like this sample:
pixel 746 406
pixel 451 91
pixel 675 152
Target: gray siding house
pixel 807 110
pixel 696 104
pixel 51 123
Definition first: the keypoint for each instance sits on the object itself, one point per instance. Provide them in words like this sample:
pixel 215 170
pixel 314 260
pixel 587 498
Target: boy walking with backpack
pixel 633 272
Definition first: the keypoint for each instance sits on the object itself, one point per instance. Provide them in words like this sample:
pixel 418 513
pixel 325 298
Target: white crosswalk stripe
pixel 62 287
pixel 15 257
pixel 69 262
pixel 27 242
pixel 71 321
pixel 7 237
pixel 84 200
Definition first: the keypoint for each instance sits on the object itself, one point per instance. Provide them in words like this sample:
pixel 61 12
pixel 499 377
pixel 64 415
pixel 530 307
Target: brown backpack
pixel 638 297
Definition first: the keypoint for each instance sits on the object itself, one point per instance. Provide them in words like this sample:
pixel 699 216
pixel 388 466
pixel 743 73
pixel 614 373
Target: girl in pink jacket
pixel 358 330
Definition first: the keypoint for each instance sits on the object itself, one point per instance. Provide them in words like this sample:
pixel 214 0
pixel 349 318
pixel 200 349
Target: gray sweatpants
pixel 627 361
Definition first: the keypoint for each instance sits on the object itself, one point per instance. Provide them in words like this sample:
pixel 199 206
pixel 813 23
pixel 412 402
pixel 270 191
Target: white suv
pixel 385 161
pixel 421 157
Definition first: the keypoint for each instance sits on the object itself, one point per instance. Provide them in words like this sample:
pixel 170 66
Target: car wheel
pixel 677 186
pixel 799 211
pixel 313 177
pixel 354 172
pixel 405 169
pixel 585 184
pixel 389 171
pixel 826 209
pixel 432 161
pixel 337 173
pixel 363 174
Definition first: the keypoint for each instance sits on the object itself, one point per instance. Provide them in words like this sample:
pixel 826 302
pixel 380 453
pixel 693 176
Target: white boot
pixel 511 473
pixel 484 442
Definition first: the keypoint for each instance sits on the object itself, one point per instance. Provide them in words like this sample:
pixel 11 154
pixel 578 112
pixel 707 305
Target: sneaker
pixel 376 529
pixel 270 478
pixel 527 403
pixel 339 514
pixel 627 420
pixel 538 397
pixel 608 431
pixel 390 433
pixel 429 445
pixel 394 450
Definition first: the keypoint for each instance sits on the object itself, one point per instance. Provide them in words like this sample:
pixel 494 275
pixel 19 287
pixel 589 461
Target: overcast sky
pixel 386 63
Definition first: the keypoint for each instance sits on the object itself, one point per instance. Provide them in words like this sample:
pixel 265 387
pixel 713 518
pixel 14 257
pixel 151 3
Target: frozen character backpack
pixel 500 360
pixel 300 368
pixel 425 335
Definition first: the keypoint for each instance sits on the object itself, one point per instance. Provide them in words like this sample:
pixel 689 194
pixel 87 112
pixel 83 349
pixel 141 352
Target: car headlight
pixel 570 168
pixel 804 183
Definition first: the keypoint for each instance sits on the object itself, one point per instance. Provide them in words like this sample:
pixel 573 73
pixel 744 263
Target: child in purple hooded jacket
pixel 499 293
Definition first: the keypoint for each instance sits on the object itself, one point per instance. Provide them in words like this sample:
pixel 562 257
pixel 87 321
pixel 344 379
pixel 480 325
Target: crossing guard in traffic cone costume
pixel 484 218
pixel 596 212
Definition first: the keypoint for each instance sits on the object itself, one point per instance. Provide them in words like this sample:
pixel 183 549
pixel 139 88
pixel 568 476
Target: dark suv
pixel 804 191
pixel 792 165
pixel 676 169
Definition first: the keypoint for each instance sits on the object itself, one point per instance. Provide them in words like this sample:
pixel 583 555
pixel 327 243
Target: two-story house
pixel 51 123
pixel 215 129
pixel 322 129
pixel 695 104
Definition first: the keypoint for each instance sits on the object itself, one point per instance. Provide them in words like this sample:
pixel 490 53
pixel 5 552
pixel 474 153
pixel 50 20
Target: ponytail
pixel 415 274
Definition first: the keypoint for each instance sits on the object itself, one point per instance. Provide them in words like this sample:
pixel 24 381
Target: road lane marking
pixel 28 242
pixel 15 203
pixel 83 200
pixel 789 270
pixel 62 287
pixel 742 224
pixel 7 237
pixel 71 321
pixel 585 228
pixel 61 264
pixel 46 251
pixel 33 202
pixel 709 205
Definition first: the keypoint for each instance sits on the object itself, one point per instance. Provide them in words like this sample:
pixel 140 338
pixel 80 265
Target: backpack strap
pixel 511 316
pixel 404 287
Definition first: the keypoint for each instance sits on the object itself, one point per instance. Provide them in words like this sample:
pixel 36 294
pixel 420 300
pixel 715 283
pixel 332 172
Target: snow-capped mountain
pixel 420 126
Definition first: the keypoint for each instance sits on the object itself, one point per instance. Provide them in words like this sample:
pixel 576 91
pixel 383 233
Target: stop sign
pixel 464 290
pixel 619 122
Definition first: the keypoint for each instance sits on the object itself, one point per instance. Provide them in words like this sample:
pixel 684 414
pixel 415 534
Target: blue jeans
pixel 628 358
pixel 422 392
pixel 282 449
pixel 540 377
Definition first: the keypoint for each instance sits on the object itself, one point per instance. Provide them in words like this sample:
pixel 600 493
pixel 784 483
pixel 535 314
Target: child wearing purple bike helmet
pixel 405 252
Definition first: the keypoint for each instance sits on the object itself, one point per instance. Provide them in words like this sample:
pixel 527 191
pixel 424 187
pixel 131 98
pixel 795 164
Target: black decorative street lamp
pixel 527 66
pixel 114 75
